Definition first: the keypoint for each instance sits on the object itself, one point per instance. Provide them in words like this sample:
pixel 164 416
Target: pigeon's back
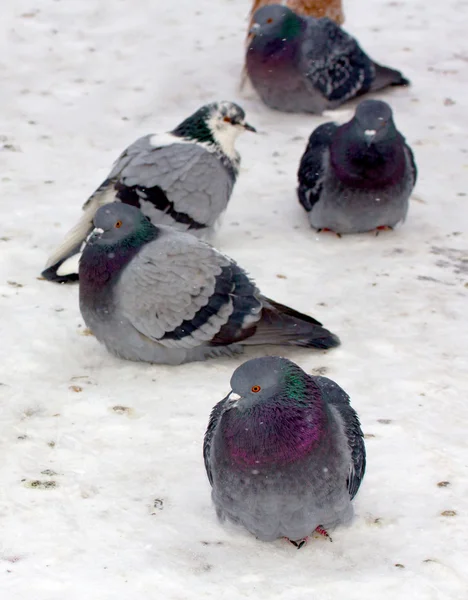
pixel 333 62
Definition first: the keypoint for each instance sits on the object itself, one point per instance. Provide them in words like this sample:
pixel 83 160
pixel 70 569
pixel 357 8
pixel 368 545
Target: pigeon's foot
pixel 321 531
pixel 325 229
pixel 298 543
pixel 382 228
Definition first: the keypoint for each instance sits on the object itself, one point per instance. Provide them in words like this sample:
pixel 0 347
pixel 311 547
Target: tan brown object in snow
pixel 333 9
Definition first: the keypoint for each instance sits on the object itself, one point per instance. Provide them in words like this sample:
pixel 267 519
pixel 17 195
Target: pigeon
pixel 284 452
pixel 152 293
pixel 358 176
pixel 332 9
pixel 183 179
pixel 303 64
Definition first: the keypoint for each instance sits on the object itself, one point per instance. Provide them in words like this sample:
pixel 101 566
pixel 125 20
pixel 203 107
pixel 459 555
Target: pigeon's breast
pixel 275 75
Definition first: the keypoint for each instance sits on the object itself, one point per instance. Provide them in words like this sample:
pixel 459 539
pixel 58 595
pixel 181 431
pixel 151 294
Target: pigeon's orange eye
pixel 256 389
pixel 118 225
pixel 270 20
pixel 227 119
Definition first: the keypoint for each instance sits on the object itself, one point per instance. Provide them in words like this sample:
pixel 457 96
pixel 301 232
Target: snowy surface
pixel 128 514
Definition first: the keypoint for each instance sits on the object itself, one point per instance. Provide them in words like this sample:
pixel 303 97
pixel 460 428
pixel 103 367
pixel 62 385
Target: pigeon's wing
pixel 182 293
pixel 412 162
pixel 337 397
pixel 312 168
pixel 215 416
pixel 173 174
pixel 333 62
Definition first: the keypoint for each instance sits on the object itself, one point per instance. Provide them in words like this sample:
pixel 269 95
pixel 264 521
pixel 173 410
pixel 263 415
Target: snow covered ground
pixel 103 493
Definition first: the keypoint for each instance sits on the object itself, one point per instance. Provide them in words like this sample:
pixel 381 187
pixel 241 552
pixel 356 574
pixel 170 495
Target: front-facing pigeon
pixel 152 293
pixel 183 179
pixel 303 64
pixel 358 176
pixel 284 452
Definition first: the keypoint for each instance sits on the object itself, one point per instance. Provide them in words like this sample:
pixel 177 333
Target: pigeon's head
pixel 276 21
pixel 116 222
pixel 260 379
pixel 226 120
pixel 373 120
pixel 216 123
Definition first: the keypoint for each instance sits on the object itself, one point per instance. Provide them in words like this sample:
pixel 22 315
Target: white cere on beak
pixel 97 230
pixel 370 132
pixel 233 397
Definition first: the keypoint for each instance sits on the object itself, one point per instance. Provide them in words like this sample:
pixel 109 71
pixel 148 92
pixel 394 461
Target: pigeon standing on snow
pixel 183 179
pixel 151 293
pixel 302 64
pixel 284 452
pixel 357 177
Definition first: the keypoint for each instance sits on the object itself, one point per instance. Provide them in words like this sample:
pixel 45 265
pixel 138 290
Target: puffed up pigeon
pixel 284 452
pixel 303 64
pixel 152 293
pixel 358 176
pixel 183 179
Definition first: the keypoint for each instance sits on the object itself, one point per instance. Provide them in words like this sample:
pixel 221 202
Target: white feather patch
pixel 81 230
pixel 69 266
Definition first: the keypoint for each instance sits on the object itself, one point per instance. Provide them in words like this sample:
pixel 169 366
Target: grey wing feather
pixel 412 162
pixel 336 396
pixel 333 61
pixel 312 169
pixel 166 285
pixel 193 179
pixel 215 416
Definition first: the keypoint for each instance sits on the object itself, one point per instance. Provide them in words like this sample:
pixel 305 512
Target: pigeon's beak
pixel 248 127
pixel 370 135
pixel 254 29
pixel 95 234
pixel 233 397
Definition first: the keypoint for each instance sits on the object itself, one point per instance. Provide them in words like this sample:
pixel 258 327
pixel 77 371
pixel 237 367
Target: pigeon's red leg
pixel 321 531
pixel 329 231
pixel 382 228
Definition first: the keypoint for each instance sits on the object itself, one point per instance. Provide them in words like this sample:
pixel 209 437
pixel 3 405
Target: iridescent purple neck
pixel 101 264
pixel 276 432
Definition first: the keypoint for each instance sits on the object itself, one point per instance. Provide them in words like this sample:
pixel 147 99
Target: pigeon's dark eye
pixel 118 225
pixel 270 20
pixel 256 389
pixel 227 119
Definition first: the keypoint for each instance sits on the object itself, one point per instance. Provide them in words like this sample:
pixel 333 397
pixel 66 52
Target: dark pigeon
pixel 152 293
pixel 357 177
pixel 303 64
pixel 284 452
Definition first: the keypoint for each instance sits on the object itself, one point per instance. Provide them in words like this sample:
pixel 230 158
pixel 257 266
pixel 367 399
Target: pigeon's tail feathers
pixel 288 327
pixel 62 265
pixel 384 76
pixel 243 79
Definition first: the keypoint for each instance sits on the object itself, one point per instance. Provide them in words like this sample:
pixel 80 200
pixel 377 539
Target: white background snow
pixel 130 515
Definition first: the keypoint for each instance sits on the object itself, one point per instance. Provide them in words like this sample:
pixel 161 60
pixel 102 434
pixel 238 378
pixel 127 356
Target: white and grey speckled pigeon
pixel 358 176
pixel 302 64
pixel 284 452
pixel 152 293
pixel 183 179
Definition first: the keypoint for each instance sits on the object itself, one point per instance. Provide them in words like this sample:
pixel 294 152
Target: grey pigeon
pixel 303 64
pixel 152 293
pixel 183 179
pixel 357 177
pixel 284 452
